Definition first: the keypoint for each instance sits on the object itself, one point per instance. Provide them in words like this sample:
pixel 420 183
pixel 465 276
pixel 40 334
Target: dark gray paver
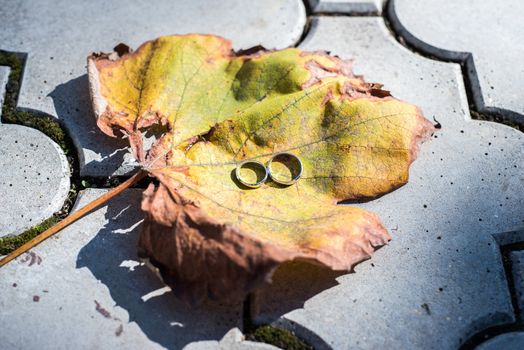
pixel 490 30
pixel 427 288
pixel 353 7
pixel 58 35
pixel 517 269
pixel 506 341
pixel 85 289
pixel 34 175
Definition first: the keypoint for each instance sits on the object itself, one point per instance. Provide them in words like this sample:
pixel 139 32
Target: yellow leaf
pixel 212 109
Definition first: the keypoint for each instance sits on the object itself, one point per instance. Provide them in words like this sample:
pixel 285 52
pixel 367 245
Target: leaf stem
pixel 73 217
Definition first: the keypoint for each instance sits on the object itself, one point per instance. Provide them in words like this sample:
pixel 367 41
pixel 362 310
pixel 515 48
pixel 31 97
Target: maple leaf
pixel 211 109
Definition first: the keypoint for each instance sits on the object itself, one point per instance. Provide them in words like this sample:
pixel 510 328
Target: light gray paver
pixel 517 268
pixel 4 75
pixel 34 175
pixel 429 287
pixel 506 341
pixel 360 7
pixel 85 289
pixel 491 30
pixel 59 34
pixel 233 340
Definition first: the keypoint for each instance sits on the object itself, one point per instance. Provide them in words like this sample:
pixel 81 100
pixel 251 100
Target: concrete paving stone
pixel 34 176
pixel 506 341
pixel 58 35
pixel 4 76
pixel 441 279
pixel 510 237
pixel 85 289
pixel 517 268
pixel 490 30
pixel 233 340
pixel 353 7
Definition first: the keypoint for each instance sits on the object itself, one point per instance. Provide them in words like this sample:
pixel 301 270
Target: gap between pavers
pixel 489 31
pixel 517 270
pixel 85 289
pixel 34 174
pixel 59 35
pixel 441 279
pixel 347 7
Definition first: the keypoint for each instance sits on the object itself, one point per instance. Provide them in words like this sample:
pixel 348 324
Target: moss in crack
pixel 10 243
pixel 507 117
pixel 279 337
pixel 268 334
pixel 48 126
pixel 496 117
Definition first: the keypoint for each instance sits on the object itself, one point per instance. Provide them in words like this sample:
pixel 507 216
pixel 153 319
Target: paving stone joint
pixel 453 275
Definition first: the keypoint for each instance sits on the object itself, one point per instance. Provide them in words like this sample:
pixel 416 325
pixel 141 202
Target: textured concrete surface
pixel 233 340
pixel 506 341
pixel 489 30
pixel 85 289
pixel 517 269
pixel 4 75
pixel 58 35
pixel 427 289
pixel 34 175
pixel 353 7
pixel 439 282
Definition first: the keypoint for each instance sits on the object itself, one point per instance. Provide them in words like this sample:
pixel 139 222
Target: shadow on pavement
pixel 73 107
pixel 293 284
pixel 111 258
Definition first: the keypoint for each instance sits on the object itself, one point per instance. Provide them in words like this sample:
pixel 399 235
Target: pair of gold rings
pixel 263 172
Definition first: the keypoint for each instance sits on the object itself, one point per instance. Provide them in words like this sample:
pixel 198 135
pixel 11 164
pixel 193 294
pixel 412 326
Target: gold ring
pixel 256 164
pixel 296 171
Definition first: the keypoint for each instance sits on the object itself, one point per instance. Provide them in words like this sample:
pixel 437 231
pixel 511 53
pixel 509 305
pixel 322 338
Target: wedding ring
pixel 292 162
pixel 257 167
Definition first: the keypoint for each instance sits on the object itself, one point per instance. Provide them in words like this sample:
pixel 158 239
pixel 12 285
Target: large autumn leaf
pixel 212 108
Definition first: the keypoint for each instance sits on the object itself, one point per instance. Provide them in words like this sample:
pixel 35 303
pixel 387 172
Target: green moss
pixel 498 118
pixel 47 125
pixel 8 244
pixel 279 337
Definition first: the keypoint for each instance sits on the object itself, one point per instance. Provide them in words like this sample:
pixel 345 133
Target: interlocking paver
pixel 84 288
pixel 506 341
pixel 353 7
pixel 34 175
pixel 441 279
pixel 233 340
pixel 491 30
pixel 4 75
pixel 58 35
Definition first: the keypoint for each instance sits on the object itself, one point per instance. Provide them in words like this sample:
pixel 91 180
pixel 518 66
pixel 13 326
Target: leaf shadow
pixel 112 259
pixel 281 296
pixel 73 107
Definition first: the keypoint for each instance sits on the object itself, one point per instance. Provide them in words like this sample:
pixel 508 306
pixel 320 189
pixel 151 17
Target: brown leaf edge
pixel 201 258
